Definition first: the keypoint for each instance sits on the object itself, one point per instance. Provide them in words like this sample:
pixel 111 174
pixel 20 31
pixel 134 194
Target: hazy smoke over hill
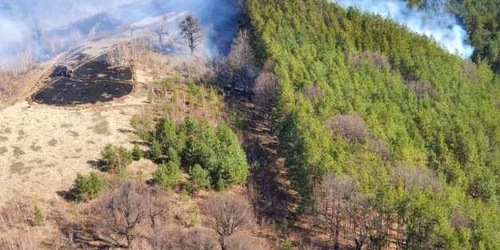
pixel 434 21
pixel 43 28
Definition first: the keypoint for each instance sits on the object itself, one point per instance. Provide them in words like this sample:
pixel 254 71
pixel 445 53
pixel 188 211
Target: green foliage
pixel 142 126
pixel 238 121
pixel 194 216
pixel 38 216
pixel 427 108
pixel 114 158
pixel 86 188
pixel 200 178
pixel 168 175
pixel 197 144
pixel 155 150
pixel 286 245
pixel 137 153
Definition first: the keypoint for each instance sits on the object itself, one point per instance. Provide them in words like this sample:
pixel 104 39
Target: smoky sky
pixel 433 21
pixel 26 25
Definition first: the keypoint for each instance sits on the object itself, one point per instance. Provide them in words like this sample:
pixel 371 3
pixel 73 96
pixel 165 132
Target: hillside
pixel 250 125
pixel 412 129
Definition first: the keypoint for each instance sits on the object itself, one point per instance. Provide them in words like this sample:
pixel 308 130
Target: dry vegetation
pixel 132 215
pixel 47 146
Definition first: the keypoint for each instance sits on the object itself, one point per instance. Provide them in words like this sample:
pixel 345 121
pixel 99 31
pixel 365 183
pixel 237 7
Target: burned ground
pixel 99 68
pixel 71 92
pixel 93 82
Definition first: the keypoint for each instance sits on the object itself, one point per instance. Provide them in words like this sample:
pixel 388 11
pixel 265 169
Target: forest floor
pixel 274 199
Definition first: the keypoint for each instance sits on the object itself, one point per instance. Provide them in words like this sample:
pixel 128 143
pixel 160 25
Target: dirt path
pixel 42 148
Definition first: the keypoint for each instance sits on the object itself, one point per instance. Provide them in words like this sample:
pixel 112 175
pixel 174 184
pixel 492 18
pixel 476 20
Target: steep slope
pixel 415 127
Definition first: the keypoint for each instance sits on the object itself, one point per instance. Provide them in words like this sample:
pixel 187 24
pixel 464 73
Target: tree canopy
pixel 361 96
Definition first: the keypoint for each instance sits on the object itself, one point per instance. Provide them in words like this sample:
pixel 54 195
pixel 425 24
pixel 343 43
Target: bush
pixel 137 153
pixel 114 158
pixel 155 150
pixel 200 178
pixel 38 216
pixel 142 126
pixel 86 188
pixel 168 175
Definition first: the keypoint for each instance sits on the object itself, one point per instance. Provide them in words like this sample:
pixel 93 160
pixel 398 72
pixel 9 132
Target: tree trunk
pixel 223 242
pixel 336 242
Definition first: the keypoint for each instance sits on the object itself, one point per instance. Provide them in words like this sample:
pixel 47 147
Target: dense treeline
pixel 367 109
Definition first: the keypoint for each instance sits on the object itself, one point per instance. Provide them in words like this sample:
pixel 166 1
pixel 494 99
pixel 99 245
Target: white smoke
pixel 433 21
pixel 27 25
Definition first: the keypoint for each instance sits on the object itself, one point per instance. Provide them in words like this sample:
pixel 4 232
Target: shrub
pixel 200 178
pixel 38 216
pixel 168 175
pixel 231 159
pixel 142 126
pixel 114 158
pixel 286 245
pixel 137 153
pixel 166 134
pixel 86 188
pixel 173 156
pixel 155 150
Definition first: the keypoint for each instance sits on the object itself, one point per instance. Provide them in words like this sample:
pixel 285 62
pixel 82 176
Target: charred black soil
pixel 73 92
pixel 100 69
pixel 92 82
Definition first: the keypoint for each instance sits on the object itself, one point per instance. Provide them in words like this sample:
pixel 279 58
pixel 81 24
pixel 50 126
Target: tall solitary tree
pixel 191 32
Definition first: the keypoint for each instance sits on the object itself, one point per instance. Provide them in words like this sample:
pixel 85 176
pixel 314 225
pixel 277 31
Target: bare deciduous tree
pixel 415 177
pixel 238 69
pixel 376 59
pixel 128 212
pixel 313 91
pixel 227 214
pixel 199 239
pixel 175 237
pixel 422 88
pixel 266 86
pixel 380 148
pixel 245 241
pixel 332 203
pixel 350 127
pixel 191 32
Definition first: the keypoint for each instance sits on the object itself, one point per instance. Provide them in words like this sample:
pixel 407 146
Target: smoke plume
pixel 41 29
pixel 432 21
